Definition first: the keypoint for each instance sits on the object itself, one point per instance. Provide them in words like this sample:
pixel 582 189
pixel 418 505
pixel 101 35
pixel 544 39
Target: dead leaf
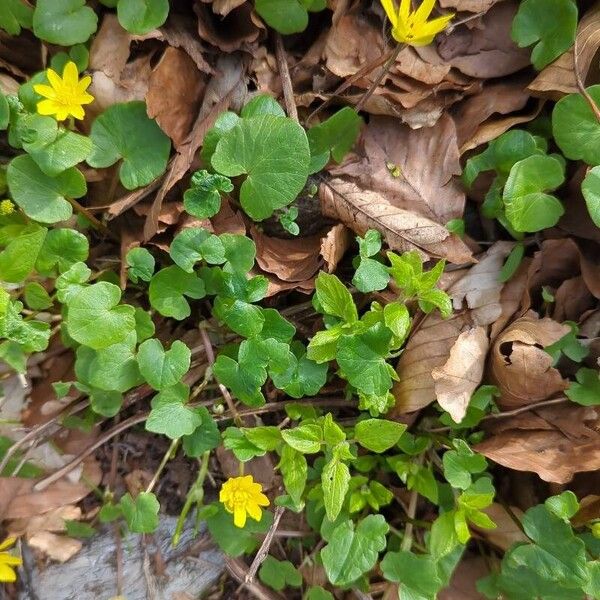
pixel 56 547
pixel 228 220
pixel 462 584
pixel 558 78
pixel 457 379
pixel 429 346
pixel 53 520
pixel 507 532
pixel 334 245
pixel 519 365
pixel 362 210
pixel 510 298
pixel 555 442
pixel 475 6
pixel 174 94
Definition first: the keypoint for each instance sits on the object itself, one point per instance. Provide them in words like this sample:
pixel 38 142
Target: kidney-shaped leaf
pixel 125 131
pixel 273 152
pixel 64 22
pixel 591 192
pixel 141 16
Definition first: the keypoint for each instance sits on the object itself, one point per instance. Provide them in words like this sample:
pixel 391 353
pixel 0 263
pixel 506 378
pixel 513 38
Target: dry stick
pixel 82 210
pixel 386 67
pixel 286 80
pixel 237 569
pixel 263 551
pixel 581 85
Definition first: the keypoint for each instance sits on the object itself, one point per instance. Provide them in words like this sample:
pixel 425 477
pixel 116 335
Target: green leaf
pixel 378 435
pixel 205 437
pixel 62 248
pixel 263 104
pixel 528 207
pixel 334 297
pixel 243 449
pixel 576 128
pixel 71 282
pixel 335 480
pixel 185 249
pixel 14 15
pixel 141 16
pixel 418 575
pixel 305 438
pixel 124 131
pixel 140 264
pixel 285 16
pixel 591 192
pixel 278 574
pixel 203 198
pixel 318 593
pixel 243 379
pixel 170 416
pixel 241 317
pixel 95 317
pixel 323 346
pixel 512 262
pixel 564 506
pixel 240 252
pixel 36 296
pixel 275 326
pixel 303 377
pixel 370 276
pixel 550 23
pixel 160 368
pixel 352 552
pixel 273 153
pixel 225 121
pixel 461 463
pixel 266 437
pixel 141 514
pixel 397 319
pixel 4 107
pixel 77 529
pixel 17 260
pixel 104 403
pixel 41 197
pixel 443 539
pixel 362 362
pixel 586 391
pixel 64 22
pixel 294 470
pixel 168 289
pixel 337 135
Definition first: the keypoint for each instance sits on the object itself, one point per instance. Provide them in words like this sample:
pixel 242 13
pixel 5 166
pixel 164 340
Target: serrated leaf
pixel 352 552
pixel 124 131
pixel 305 438
pixel 335 298
pixel 141 16
pixel 378 435
pixel 203 198
pixel 64 22
pixel 294 470
pixel 141 514
pixel 273 154
pixel 335 480
pixel 160 368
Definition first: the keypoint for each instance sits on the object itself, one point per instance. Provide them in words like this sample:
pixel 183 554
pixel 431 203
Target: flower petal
pixel 9 559
pixel 422 13
pixel 47 92
pixel 7 543
pixel 239 516
pixel 254 511
pixel 54 78
pixel 7 574
pixel 390 11
pixel 84 83
pixel 48 107
pixel 261 499
pixel 404 11
pixel 76 111
pixel 434 27
pixel 71 74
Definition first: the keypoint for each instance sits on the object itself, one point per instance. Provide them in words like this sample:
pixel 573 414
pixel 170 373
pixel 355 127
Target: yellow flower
pixel 8 561
pixel 6 208
pixel 240 495
pixel 64 96
pixel 411 27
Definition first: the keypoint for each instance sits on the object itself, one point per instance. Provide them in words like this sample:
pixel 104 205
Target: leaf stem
pixel 581 85
pixel 163 463
pixel 84 212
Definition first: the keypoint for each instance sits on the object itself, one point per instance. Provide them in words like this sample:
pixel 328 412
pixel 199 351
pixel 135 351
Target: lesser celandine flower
pixel 8 561
pixel 241 496
pixel 6 207
pixel 412 27
pixel 66 95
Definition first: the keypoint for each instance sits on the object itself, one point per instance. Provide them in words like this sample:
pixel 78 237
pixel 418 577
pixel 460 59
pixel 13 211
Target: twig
pixel 237 569
pixel 412 510
pixel 581 85
pixel 263 551
pixel 163 463
pixel 99 225
pixel 386 67
pixel 286 80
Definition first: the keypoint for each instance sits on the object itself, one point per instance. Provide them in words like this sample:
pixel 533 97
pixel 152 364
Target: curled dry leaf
pixel 457 379
pixel 555 442
pixel 558 78
pixel 429 347
pixel 475 6
pixel 56 547
pixel 334 245
pixel 520 366
pixel 53 520
pixel 362 210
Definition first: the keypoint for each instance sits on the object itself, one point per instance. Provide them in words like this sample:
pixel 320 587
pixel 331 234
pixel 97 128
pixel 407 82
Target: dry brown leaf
pixel 558 78
pixel 510 298
pixel 174 94
pixel 476 6
pixel 457 379
pixel 430 345
pixel 53 520
pixel 362 210
pixel 228 220
pixel 56 547
pixel 488 50
pixel 426 160
pixel 464 578
pixel 555 442
pixel 334 245
pixel 520 366
pixel 571 300
pixel 507 532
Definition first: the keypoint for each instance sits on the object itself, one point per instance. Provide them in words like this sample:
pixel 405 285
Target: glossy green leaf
pixel 378 435
pixel 15 15
pixel 278 574
pixel 62 248
pixel 170 287
pixel 586 390
pixel 64 22
pixel 203 199
pixel 335 480
pixel 36 296
pixel 18 259
pixel 591 192
pixel 141 16
pixel 163 368
pixel 141 514
pixel 140 264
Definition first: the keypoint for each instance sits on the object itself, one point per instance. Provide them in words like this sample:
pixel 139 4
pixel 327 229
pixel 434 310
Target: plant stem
pixel 581 85
pixel 99 225
pixel 163 463
pixel 195 494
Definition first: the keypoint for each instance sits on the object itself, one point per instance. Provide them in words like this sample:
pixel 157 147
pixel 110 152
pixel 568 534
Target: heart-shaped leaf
pixel 141 16
pixel 62 248
pixel 18 258
pixel 287 16
pixel 203 199
pixel 168 288
pixel 124 131
pixel 41 197
pixel 576 128
pixel 15 14
pixel 96 319
pixel 273 153
pixel 64 22
pixel 160 368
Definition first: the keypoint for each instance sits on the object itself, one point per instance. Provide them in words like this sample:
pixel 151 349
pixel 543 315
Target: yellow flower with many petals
pixel 412 27
pixel 8 561
pixel 241 495
pixel 66 95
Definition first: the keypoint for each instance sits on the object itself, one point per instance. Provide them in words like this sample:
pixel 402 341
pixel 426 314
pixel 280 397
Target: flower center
pixel 240 497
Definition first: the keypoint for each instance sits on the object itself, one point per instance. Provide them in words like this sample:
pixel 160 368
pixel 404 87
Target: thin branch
pixel 99 225
pixel 581 85
pixel 237 569
pixel 263 551
pixel 286 80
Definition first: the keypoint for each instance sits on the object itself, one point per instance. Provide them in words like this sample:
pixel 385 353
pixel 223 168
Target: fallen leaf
pixel 56 547
pixel 53 520
pixel 475 6
pixel 334 245
pixel 361 209
pixel 462 584
pixel 457 379
pixel 224 7
pixel 520 367
pixel 537 441
pixel 507 532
